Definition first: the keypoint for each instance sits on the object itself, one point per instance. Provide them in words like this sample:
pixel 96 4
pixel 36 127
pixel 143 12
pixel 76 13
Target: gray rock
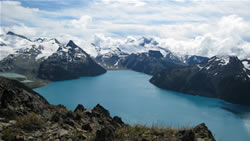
pixel 62 132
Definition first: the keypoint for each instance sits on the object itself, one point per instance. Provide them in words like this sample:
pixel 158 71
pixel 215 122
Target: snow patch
pixel 246 65
pixel 200 68
pixel 223 60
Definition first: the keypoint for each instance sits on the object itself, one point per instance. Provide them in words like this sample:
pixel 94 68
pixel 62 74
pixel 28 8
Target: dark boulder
pixel 105 134
pixel 79 108
pixel 186 135
pixel 99 110
pixel 201 131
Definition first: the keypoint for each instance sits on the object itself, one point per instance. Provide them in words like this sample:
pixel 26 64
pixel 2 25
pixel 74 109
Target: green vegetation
pixel 30 121
pixel 9 134
pixel 141 132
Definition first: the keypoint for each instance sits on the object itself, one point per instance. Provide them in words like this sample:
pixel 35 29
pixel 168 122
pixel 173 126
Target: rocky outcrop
pixel 223 77
pixel 69 62
pixel 17 99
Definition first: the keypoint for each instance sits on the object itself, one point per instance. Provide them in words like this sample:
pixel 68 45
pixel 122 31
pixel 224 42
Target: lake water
pixel 129 95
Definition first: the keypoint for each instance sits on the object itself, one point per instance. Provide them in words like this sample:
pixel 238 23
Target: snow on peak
pixel 48 47
pixel 14 42
pixel 221 59
pixel 246 64
pixel 129 45
pixel 224 60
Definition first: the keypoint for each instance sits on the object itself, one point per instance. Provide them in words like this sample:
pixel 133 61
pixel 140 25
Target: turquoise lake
pixel 131 96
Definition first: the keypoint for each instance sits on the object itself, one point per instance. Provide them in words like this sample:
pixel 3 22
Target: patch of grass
pixel 76 135
pixel 142 132
pixel 9 134
pixel 30 121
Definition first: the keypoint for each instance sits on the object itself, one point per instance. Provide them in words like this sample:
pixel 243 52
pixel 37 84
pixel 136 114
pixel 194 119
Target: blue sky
pixel 181 22
pixel 54 5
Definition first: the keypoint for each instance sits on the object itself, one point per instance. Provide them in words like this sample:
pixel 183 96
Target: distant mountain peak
pixel 145 40
pixel 72 44
pixel 14 34
pixel 10 33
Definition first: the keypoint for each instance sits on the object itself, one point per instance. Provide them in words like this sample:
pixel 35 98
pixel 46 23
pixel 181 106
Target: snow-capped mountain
pixel 111 52
pixel 129 45
pixel 12 43
pixel 22 55
pixel 112 59
pixel 223 77
pixel 69 62
pixel 36 58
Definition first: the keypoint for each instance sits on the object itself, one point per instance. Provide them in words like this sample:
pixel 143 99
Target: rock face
pixel 69 62
pixel 25 115
pixel 223 77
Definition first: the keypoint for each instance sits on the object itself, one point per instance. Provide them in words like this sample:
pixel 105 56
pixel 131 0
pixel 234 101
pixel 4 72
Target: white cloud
pixel 82 23
pixel 194 27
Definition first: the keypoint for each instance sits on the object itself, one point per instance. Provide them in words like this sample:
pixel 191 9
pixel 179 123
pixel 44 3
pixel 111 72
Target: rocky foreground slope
pixel 25 115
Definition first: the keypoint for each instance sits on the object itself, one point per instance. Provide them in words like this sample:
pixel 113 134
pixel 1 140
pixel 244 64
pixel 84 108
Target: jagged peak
pixel 71 44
